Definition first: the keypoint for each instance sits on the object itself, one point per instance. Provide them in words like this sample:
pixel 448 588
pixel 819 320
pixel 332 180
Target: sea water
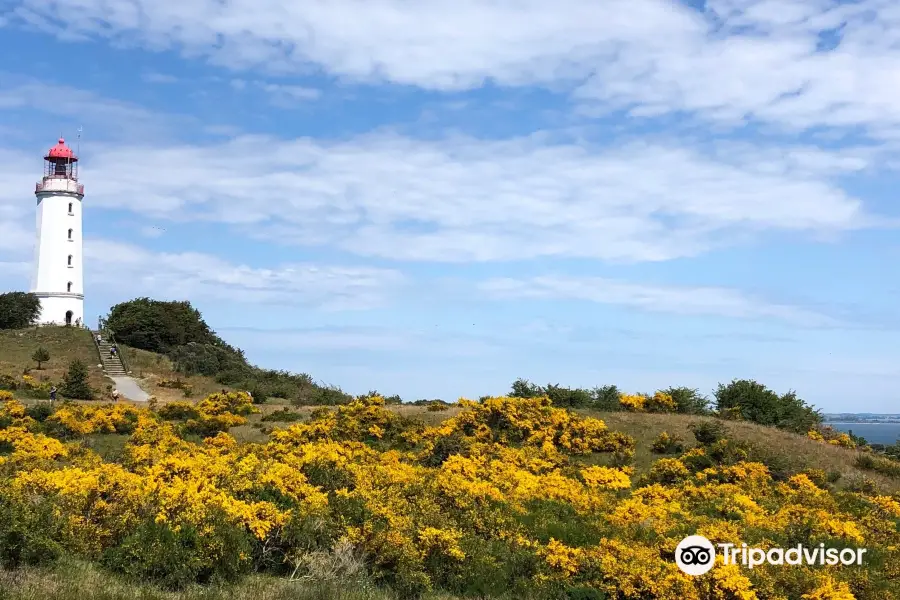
pixel 875 433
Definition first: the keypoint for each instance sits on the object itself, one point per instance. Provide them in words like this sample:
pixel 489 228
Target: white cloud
pixel 18 176
pixel 734 60
pixel 384 340
pixel 462 199
pixel 102 118
pixel 321 339
pixel 701 301
pixel 133 271
pixel 281 95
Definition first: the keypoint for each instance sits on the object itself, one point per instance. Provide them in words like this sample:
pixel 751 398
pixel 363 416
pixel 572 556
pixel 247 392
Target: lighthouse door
pixel 68 317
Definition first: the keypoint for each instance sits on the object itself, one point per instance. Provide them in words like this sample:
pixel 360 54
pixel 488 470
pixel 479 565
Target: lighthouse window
pixel 70 208
pixel 69 287
pixel 70 234
pixel 70 260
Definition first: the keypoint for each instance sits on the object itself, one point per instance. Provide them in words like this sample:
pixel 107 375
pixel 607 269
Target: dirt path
pixel 129 388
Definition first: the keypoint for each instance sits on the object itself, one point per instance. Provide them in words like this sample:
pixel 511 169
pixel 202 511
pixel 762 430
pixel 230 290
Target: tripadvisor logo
pixel 696 555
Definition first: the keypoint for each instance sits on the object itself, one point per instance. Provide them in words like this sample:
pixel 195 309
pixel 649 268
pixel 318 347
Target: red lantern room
pixel 61 162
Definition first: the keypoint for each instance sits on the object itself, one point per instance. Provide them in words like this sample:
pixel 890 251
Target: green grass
pixel 150 368
pixel 784 452
pixel 879 464
pixel 75 580
pixel 64 345
pixel 68 343
pixel 787 451
pixel 790 452
pixel 110 446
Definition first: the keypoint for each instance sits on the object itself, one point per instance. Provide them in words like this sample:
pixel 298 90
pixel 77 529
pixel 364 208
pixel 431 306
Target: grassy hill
pixel 781 450
pixel 479 506
pixel 66 344
pixel 156 373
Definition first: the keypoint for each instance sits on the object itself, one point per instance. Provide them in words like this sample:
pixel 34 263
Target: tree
pixel 40 356
pixel 522 388
pixel 75 382
pixel 19 310
pixel 688 400
pixel 755 402
pixel 607 398
pixel 159 326
pixel 207 359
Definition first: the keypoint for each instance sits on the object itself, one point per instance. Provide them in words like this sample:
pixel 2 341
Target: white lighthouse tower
pixel 58 278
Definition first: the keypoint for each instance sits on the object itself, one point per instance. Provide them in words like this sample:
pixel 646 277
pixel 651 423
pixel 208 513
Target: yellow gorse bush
pixel 504 481
pixel 658 402
pixel 830 435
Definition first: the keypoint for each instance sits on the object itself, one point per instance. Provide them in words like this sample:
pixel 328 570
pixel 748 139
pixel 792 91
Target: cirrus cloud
pixel 790 63
pixel 136 271
pixel 462 199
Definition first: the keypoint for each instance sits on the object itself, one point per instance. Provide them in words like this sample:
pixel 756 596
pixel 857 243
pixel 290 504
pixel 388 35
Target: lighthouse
pixel 58 277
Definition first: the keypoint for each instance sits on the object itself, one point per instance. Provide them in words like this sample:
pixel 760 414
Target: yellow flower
pixel 730 584
pixel 829 589
pixel 633 402
pixel 607 478
pixel 669 470
pixel 562 557
pixel 844 529
pixel 443 541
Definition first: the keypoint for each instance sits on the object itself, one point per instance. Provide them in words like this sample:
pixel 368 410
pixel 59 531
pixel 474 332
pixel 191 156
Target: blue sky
pixel 436 198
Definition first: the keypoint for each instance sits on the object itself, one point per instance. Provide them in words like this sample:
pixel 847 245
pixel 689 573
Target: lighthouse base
pixel 61 308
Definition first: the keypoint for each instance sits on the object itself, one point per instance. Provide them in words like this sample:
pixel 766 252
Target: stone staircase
pixel 112 365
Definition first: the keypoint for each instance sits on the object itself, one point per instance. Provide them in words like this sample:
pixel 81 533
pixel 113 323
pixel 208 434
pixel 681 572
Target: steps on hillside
pixel 112 365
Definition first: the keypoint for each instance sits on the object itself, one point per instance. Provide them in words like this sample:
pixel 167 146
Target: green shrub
pixel 607 398
pixel 26 535
pixel 757 403
pixel 708 432
pixel 178 411
pixel 817 476
pixel 491 570
pixel 40 356
pixel 75 382
pixel 878 464
pixel 208 359
pixel 667 443
pixel 445 447
pixel 157 553
pixel 283 416
pixel 40 411
pixel 688 400
pixel 601 398
pixel 19 310
pixel 8 382
pixel 323 396
pixel 158 326
pixel 729 452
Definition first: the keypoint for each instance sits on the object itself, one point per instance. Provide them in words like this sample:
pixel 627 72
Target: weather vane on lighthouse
pixel 58 277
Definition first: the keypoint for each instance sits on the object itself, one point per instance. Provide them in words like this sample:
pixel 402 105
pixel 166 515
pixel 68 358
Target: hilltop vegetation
pixel 549 493
pixel 177 331
pixel 506 497
pixel 168 345
pixel 18 310
pixel 64 345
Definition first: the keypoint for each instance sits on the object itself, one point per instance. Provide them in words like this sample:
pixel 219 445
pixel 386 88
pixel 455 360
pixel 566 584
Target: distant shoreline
pixel 862 422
